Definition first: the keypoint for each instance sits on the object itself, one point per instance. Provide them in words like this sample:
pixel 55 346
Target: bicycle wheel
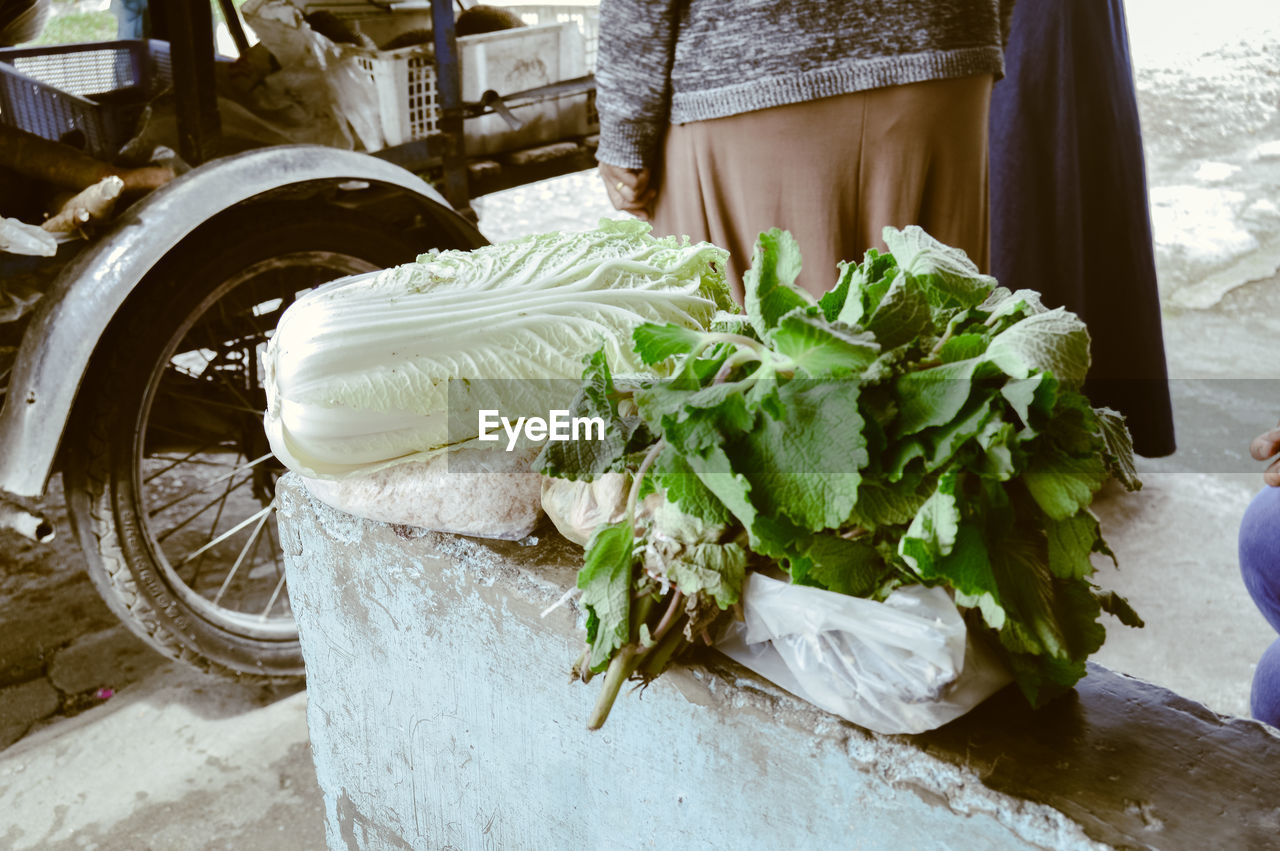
pixel 170 481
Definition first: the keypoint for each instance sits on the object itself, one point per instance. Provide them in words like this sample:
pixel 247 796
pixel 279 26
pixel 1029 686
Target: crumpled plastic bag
pixel 17 237
pixel 317 72
pixel 463 492
pixel 577 508
pixel 902 666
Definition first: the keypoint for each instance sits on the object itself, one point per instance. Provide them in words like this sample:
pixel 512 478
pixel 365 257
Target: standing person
pixel 1260 566
pixel 1069 210
pixel 720 119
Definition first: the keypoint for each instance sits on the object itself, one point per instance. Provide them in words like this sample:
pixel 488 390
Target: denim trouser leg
pixel 1260 566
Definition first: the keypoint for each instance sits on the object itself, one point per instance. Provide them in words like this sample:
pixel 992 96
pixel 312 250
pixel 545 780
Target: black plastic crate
pixel 89 95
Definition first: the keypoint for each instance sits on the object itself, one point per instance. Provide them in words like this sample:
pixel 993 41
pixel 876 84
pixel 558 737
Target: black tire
pixel 215 298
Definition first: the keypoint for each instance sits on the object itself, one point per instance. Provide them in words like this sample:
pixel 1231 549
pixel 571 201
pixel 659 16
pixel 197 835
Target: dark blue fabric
pixel 1260 566
pixel 1069 213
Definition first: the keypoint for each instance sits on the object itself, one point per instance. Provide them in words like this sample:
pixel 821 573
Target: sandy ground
pixel 111 747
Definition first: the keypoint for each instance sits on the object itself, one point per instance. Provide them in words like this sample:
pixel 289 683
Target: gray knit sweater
pixel 673 61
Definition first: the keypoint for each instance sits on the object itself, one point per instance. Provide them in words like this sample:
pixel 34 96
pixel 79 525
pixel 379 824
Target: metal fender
pixel 73 315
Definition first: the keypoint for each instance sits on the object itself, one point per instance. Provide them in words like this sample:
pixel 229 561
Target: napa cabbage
pixel 358 371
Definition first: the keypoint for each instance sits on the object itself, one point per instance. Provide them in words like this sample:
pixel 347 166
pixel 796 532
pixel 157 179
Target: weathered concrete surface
pixel 441 716
pixel 179 761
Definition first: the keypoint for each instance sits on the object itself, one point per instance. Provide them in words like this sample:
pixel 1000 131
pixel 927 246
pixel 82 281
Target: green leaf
pixel 900 458
pixel 843 566
pixel 998 442
pixel 1043 675
pixel 864 285
pixel 1004 308
pixel 685 489
pixel 902 313
pixel 1119 451
pixel 1063 484
pixel 806 465
pixel 947 440
pixel 963 347
pixel 947 273
pixel 770 282
pixel 1113 604
pixel 731 488
pixel 933 530
pixel 605 580
pixel 933 397
pixel 1054 341
pixel 1071 541
pixel 967 568
pixel 1021 394
pixel 833 300
pixel 693 420
pixel 885 504
pixel 864 298
pixel 822 350
pixel 1000 563
pixel 714 569
pixel 585 459
pixel 655 343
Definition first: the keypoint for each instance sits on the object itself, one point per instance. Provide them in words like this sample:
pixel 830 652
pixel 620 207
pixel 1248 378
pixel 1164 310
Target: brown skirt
pixel 834 172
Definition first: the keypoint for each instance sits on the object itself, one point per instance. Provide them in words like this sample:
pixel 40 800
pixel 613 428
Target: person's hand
pixel 629 189
pixel 1263 447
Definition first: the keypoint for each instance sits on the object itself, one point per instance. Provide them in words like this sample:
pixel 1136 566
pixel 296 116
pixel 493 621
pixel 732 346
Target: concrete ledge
pixel 441 716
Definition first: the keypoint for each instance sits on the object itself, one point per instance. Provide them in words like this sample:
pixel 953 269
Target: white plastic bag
pixel 902 666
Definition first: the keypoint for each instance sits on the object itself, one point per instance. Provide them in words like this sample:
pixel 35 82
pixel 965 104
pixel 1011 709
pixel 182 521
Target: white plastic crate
pixel 585 16
pixel 554 47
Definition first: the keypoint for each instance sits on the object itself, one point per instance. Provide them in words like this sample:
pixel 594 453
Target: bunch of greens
pixel 917 425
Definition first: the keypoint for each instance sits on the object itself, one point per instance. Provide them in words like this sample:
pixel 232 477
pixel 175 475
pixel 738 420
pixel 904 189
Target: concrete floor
pixel 169 759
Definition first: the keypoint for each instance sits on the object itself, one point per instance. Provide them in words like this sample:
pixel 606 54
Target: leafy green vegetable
pixel 918 424
pixel 605 580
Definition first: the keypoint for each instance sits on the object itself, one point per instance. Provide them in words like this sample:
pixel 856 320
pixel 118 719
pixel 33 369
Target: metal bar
pixel 191 42
pixel 551 91
pixel 418 155
pixel 232 17
pixel 449 99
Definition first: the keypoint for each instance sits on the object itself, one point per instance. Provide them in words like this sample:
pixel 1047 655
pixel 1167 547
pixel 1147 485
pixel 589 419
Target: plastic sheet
pixel 323 80
pixel 21 238
pixel 902 666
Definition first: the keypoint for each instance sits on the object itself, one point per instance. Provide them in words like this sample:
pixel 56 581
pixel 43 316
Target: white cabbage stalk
pixel 357 372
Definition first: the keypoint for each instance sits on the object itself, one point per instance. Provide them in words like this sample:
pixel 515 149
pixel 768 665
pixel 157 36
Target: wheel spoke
pixel 213 528
pixel 209 484
pixel 215 403
pixel 262 517
pixel 167 533
pixel 220 375
pixel 274 596
pixel 197 461
pixel 183 460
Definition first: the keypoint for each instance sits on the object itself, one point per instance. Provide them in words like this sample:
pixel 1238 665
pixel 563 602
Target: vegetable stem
pixel 669 616
pixel 739 340
pixel 620 669
pixel 656 660
pixel 633 496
